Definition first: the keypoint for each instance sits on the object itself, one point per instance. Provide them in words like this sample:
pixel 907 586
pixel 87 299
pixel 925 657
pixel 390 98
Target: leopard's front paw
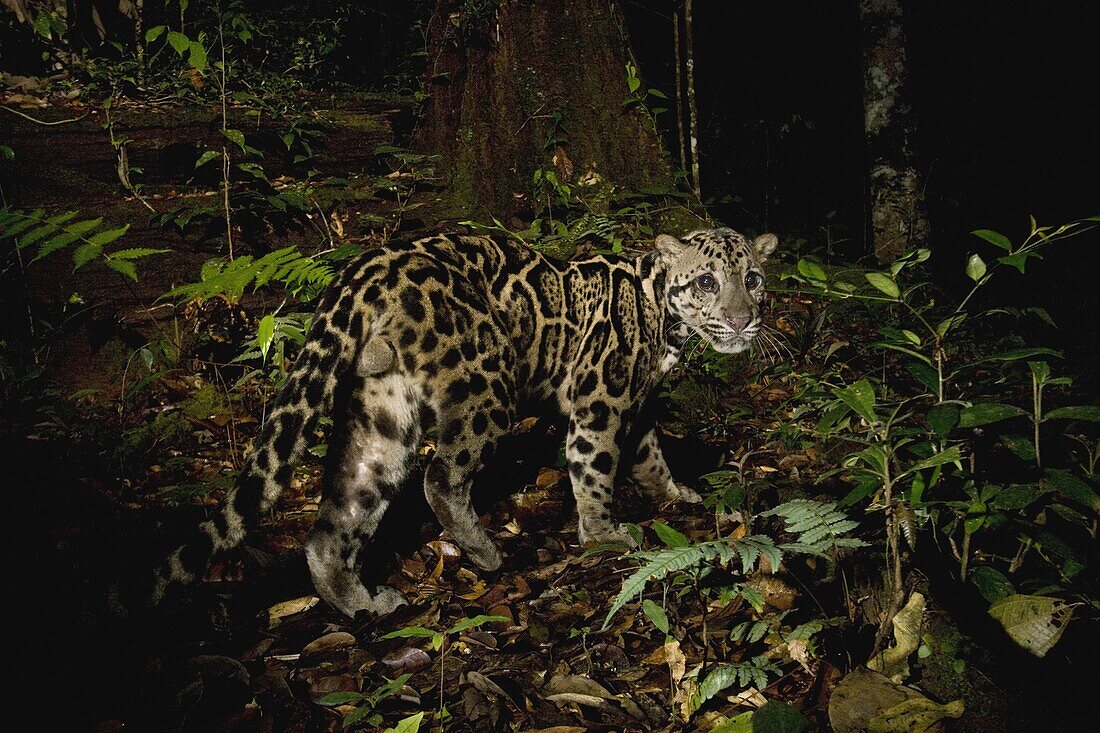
pixel 602 532
pixel 690 496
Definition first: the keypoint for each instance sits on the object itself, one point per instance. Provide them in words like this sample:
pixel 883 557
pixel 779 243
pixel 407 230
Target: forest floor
pixel 251 649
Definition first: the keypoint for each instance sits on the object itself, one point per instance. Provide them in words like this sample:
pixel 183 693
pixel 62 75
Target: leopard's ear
pixel 670 247
pixel 764 245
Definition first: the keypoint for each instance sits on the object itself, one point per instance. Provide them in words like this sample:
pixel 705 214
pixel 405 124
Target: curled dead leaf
pixel 407 659
pixel 334 640
pixel 548 477
pixel 279 611
pixel 446 550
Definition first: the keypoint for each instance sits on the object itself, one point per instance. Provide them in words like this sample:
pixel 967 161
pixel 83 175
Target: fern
pixel 742 674
pixel 659 564
pixel 592 225
pixel 300 274
pixel 47 235
pixel 819 526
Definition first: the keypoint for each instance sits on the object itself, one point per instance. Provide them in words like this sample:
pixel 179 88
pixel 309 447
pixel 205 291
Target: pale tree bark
pixel 898 220
pixel 693 112
pixel 677 59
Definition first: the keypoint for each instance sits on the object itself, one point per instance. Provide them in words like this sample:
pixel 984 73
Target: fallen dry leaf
pixel 279 611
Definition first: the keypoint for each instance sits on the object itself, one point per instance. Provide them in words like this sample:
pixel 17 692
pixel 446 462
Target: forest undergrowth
pixel 900 491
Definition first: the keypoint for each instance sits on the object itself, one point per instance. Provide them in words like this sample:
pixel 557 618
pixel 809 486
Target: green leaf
pixel 235 136
pixel 1016 496
pixel 265 334
pixel 991 583
pixel 123 267
pixel 938 459
pixel 197 57
pixel 775 716
pixel 656 615
pixel 924 374
pixel 206 157
pixel 1075 412
pixel 1073 488
pixel 1040 370
pixel 884 283
pixel 107 236
pixel 943 417
pixel 1018 260
pixel 52 245
pixel 410 631
pixel 341 698
pixel 948 323
pixel 1021 353
pixel 740 723
pixel 480 620
pixel 1034 622
pixel 179 41
pixel 668 535
pixel 1023 448
pixel 154 33
pixel 43 231
pixel 975 267
pixel 995 238
pixel 410 724
pixel 904 350
pixel 362 713
pixel 811 270
pixel 135 253
pixel 860 396
pixel 985 413
pixel 85 253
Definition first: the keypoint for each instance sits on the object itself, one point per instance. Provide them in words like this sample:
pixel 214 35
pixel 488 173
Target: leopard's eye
pixel 706 283
pixel 753 280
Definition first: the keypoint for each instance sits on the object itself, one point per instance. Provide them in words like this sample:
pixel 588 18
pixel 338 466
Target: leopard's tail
pixel 328 356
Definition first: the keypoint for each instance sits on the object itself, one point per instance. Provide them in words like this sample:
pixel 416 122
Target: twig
pixel 42 122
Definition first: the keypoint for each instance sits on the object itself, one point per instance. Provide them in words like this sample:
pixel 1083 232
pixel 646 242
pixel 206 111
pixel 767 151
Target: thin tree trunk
pixel 677 60
pixel 898 220
pixel 693 114
pixel 139 41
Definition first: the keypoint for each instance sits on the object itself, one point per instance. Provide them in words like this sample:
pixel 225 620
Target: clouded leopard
pixel 463 332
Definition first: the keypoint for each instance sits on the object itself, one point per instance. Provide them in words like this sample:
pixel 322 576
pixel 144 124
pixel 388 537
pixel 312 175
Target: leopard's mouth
pixel 731 343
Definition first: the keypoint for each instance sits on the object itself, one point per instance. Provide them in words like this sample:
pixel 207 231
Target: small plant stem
pixel 676 56
pixel 225 127
pixel 964 556
pixel 1036 415
pixel 893 556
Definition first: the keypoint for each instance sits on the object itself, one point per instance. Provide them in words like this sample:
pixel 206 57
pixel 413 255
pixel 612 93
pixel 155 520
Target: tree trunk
pixel 898 220
pixel 693 111
pixel 528 85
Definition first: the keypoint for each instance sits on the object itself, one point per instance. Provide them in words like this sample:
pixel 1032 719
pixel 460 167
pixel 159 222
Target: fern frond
pixel 819 525
pixel 298 273
pixel 742 674
pixel 658 564
pixel 55 233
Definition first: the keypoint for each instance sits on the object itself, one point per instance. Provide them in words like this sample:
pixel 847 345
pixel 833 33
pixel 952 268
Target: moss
pixel 351 120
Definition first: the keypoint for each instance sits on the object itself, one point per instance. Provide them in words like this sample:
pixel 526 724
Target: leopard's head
pixel 714 285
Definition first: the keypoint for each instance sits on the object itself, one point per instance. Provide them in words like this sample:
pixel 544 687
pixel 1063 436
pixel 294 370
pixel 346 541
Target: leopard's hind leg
pixel 371 461
pixel 476 413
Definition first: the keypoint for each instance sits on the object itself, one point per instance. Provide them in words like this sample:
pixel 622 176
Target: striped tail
pixel 309 392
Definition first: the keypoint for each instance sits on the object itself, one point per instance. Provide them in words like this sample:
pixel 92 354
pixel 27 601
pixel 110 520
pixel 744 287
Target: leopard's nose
pixel 738 323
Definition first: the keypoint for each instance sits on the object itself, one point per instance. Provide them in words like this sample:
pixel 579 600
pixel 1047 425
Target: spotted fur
pixel 464 333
